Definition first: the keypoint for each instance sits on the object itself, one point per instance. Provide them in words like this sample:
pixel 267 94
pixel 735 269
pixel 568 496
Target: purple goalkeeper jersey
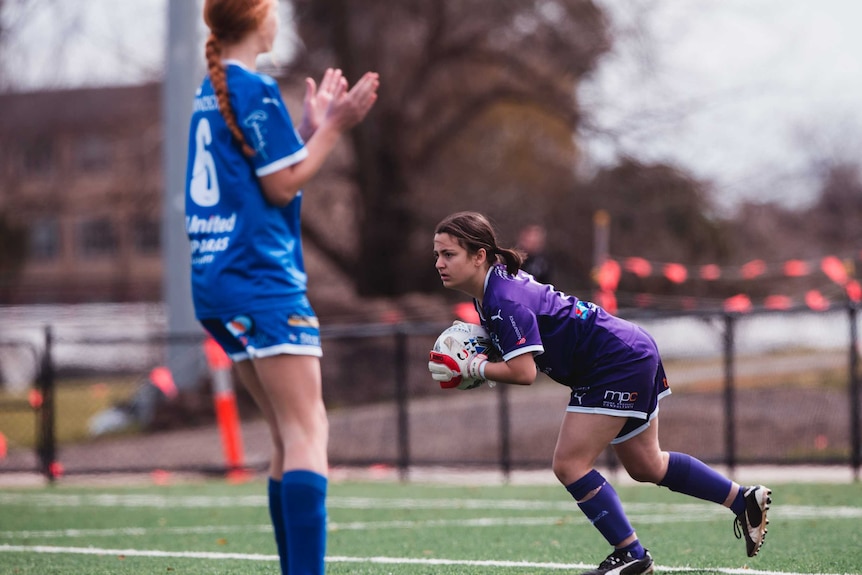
pixel 571 340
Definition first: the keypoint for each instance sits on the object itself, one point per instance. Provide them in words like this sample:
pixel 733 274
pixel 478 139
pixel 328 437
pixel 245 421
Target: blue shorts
pixel 626 385
pixel 292 330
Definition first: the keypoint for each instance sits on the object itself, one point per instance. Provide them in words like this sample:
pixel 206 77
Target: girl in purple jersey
pixel 616 376
pixel 272 335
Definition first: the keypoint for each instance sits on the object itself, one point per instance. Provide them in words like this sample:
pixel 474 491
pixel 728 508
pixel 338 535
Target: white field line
pixel 680 514
pixel 336 502
pixel 376 560
pixel 640 511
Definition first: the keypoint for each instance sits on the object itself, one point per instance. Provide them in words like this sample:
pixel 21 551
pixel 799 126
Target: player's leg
pixel 248 377
pixel 232 334
pixel 294 389
pixel 293 386
pixel 644 461
pixel 582 438
pixel 249 380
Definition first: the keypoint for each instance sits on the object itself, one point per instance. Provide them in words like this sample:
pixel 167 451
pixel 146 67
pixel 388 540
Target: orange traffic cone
pixel 226 410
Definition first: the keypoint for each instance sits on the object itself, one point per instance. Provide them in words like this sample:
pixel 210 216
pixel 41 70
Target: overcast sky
pixel 748 94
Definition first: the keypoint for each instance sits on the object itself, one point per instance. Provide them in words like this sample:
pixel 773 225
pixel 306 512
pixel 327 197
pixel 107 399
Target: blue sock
pixel 635 549
pixel 604 510
pixel 277 516
pixel 738 505
pixel 690 476
pixel 303 499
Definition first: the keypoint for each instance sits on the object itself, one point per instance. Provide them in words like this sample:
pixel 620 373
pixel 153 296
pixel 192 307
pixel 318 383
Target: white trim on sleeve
pixel 537 349
pixel 282 163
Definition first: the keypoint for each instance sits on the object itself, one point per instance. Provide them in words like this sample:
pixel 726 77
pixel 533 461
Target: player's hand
pixel 348 108
pixel 317 100
pixel 446 369
pixel 456 372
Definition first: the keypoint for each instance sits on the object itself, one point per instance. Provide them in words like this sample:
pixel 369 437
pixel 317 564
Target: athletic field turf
pixel 393 528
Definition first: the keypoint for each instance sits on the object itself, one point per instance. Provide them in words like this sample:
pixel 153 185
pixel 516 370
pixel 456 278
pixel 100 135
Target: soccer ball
pixel 461 341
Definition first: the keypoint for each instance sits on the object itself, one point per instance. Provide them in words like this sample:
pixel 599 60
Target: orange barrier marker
pixel 56 469
pixel 3 447
pixel 226 410
pixel 161 477
pixel 466 312
pixel 162 378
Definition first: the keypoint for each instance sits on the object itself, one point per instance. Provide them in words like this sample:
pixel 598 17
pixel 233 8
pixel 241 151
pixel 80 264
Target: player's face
pixel 458 268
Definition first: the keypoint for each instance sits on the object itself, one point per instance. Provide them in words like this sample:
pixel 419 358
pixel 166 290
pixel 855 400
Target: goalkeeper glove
pixel 455 372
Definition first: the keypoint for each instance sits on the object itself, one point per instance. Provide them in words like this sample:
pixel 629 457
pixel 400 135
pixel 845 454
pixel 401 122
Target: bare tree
pixel 457 75
pixel 51 44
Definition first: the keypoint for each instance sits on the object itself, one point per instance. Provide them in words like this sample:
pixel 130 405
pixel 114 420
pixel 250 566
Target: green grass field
pixel 393 528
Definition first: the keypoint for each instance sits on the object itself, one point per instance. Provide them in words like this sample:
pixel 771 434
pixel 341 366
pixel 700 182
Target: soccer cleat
pixel 752 522
pixel 621 563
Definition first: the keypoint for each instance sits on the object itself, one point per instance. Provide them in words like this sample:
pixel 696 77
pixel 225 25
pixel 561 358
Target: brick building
pixel 81 180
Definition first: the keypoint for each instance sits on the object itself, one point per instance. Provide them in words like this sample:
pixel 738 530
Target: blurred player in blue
pixel 616 376
pixel 247 165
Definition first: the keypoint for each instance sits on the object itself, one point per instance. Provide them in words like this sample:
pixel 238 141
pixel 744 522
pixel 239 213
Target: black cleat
pixel 752 522
pixel 621 563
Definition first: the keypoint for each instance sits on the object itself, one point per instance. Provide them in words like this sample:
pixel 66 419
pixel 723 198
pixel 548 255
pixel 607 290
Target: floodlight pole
pixel 601 244
pixel 183 71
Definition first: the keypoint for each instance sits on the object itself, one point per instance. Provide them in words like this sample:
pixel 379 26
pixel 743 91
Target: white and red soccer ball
pixel 457 344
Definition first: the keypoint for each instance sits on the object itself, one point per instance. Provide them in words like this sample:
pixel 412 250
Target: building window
pixel 93 153
pixel 97 238
pixel 44 243
pixel 39 156
pixel 147 238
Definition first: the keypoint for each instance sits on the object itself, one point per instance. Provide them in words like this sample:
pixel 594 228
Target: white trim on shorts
pixel 637 430
pixel 617 413
pixel 281 349
pixel 605 411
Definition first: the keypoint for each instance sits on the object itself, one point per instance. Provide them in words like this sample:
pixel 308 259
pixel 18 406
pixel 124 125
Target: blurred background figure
pixel 531 240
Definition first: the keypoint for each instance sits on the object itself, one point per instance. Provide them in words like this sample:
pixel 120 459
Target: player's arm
pixel 282 186
pixel 520 370
pixel 344 111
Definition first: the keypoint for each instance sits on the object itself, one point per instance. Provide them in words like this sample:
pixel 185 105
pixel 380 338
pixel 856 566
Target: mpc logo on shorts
pixel 619 399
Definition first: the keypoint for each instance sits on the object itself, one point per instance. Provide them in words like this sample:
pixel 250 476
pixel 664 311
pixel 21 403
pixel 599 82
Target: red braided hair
pixel 230 21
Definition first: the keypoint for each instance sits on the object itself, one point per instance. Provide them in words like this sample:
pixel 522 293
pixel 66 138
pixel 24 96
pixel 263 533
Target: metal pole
pixel 401 402
pixel 47 437
pixel 184 71
pixel 729 414
pixel 855 439
pixel 505 432
pixel 601 244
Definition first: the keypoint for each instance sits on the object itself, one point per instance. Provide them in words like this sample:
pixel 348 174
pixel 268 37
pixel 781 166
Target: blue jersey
pixel 570 339
pixel 246 253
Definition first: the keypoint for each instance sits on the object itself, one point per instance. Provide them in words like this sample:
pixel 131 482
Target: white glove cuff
pixel 476 367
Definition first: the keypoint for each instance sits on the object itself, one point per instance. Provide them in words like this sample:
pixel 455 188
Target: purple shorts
pixel 627 384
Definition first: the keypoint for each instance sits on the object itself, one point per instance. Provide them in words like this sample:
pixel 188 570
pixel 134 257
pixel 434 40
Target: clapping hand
pixel 317 100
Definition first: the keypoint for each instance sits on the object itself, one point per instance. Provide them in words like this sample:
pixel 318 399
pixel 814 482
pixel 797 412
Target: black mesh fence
pixel 72 403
